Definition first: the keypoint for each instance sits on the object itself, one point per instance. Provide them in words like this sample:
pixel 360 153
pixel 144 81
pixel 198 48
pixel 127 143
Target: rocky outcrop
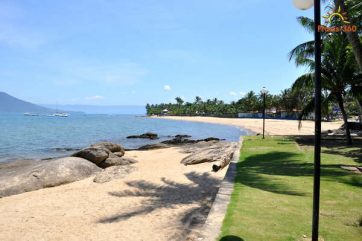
pixel 153 146
pixel 93 154
pixel 105 154
pixel 179 141
pixel 119 153
pixel 220 152
pixel 28 176
pixel 117 161
pixel 113 147
pixel 148 135
pixel 182 139
pixel 182 136
pixel 114 172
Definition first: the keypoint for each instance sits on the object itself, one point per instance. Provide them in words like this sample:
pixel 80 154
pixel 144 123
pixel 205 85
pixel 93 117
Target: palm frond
pixel 307 23
pixel 304 50
pixel 306 81
pixel 310 106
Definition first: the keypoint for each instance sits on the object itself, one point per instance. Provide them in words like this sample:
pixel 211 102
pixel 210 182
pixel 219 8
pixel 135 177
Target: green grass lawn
pixel 272 198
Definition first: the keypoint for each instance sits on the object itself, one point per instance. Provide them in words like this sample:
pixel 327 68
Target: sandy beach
pixel 272 127
pixel 161 200
pixel 158 201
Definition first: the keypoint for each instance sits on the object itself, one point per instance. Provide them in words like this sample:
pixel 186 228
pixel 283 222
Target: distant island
pixel 10 103
pixel 102 109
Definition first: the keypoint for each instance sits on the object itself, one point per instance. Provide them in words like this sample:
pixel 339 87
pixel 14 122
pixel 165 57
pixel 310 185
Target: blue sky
pixel 118 52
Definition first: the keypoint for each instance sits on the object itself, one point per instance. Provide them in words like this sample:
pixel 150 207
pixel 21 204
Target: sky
pixel 121 52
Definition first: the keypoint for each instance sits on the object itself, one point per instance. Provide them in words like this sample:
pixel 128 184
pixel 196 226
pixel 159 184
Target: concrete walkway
pixel 213 224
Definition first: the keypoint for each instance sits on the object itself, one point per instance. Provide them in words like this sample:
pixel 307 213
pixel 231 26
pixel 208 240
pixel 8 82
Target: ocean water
pixel 38 137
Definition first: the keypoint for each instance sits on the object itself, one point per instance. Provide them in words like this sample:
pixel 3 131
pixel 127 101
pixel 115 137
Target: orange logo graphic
pixel 345 25
pixel 339 14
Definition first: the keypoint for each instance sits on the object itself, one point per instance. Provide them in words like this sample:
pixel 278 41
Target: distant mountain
pixel 102 109
pixel 9 103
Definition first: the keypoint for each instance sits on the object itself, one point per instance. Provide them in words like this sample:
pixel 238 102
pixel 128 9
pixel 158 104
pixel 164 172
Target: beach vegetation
pixel 341 75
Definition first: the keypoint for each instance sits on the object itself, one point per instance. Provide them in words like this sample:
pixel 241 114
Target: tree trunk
pixel 356 47
pixel 345 119
pixel 359 103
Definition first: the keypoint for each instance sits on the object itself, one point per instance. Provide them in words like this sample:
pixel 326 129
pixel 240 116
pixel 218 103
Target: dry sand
pixel 272 127
pixel 156 202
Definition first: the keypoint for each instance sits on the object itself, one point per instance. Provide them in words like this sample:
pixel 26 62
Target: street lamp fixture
pixel 263 92
pixel 305 4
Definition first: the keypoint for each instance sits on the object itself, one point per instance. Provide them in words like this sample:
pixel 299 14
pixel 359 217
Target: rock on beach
pixel 34 175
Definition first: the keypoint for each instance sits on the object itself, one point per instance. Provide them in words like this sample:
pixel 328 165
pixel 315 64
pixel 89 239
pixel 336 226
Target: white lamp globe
pixel 264 91
pixel 303 4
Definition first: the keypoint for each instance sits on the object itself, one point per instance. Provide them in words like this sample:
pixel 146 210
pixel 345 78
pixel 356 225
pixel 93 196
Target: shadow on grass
pixel 250 172
pixel 231 238
pixel 335 146
pixel 168 195
pixel 262 170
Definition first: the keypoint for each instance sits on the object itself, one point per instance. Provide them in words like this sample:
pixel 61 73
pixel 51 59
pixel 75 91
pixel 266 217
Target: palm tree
pixel 353 9
pixel 198 100
pixel 338 70
pixel 179 100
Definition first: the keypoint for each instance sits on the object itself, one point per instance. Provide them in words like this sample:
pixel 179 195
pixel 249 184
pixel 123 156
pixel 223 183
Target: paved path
pixel 213 224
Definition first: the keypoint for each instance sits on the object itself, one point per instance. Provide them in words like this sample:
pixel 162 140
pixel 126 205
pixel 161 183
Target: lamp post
pixel 263 92
pixel 305 4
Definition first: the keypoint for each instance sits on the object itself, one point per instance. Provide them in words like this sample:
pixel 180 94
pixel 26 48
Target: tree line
pixel 341 78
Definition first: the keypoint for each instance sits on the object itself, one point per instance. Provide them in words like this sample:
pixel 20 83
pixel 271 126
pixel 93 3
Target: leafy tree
pixel 338 70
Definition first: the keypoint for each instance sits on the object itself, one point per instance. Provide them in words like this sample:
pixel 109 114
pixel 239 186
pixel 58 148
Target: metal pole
pixel 317 136
pixel 263 114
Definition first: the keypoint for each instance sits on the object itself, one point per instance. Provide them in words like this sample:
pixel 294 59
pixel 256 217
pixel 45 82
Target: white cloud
pixel 167 88
pixel 233 93
pixel 242 93
pixel 94 97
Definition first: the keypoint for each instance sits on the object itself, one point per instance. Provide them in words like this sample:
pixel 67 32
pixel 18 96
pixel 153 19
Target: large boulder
pixel 183 139
pixel 182 136
pixel 117 161
pixel 179 140
pixel 28 176
pixel 113 147
pixel 115 172
pixel 95 155
pixel 153 146
pixel 148 135
pixel 119 153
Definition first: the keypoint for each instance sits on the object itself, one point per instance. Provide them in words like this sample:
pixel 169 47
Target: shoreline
pixel 162 199
pixel 21 146
pixel 272 126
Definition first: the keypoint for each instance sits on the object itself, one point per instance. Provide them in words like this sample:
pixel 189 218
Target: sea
pixel 41 137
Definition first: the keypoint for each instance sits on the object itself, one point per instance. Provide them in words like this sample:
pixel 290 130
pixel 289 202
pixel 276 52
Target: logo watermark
pixel 337 17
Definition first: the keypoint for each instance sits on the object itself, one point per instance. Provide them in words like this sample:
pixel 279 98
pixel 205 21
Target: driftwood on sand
pixel 210 149
pixel 219 152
